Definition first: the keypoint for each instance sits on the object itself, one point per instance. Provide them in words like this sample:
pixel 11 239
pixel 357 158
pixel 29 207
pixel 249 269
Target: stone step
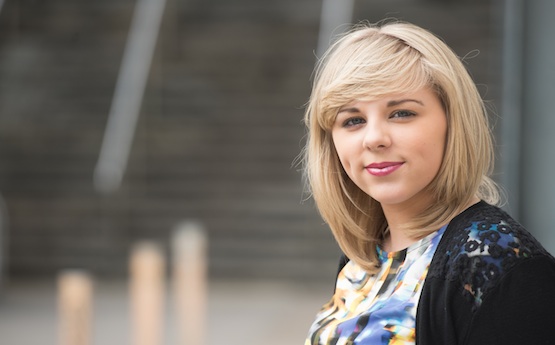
pixel 219 130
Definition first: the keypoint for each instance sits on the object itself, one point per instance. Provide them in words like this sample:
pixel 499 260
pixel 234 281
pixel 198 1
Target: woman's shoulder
pixel 487 230
pixel 480 246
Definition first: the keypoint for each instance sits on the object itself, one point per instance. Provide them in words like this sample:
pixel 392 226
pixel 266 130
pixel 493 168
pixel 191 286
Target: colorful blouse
pixel 380 308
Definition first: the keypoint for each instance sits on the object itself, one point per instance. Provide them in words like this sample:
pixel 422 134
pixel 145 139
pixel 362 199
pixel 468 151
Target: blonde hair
pixel 371 62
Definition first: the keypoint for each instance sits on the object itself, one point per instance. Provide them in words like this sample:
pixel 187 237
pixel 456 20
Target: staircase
pixel 219 130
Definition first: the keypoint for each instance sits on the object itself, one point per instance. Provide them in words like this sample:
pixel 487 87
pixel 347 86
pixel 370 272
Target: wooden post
pixel 190 282
pixel 75 293
pixel 147 270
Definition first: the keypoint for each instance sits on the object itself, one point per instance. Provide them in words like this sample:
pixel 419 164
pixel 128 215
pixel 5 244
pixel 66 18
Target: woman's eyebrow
pixel 390 104
pixel 349 110
pixel 394 103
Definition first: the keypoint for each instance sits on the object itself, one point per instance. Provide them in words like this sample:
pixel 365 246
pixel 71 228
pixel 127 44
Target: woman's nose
pixel 376 137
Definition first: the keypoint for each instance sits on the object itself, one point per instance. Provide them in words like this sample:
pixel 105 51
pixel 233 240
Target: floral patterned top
pixel 379 308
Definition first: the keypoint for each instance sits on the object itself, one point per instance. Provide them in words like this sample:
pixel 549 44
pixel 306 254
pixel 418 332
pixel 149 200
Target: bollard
pixel 190 282
pixel 147 270
pixel 75 293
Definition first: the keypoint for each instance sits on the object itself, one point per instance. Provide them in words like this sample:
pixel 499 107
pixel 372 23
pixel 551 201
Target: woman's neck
pixel 397 217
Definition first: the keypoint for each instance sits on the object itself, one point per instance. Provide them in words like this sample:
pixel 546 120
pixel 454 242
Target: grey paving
pixel 246 312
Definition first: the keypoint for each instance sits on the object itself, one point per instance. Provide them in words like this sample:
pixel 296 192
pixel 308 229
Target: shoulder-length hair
pixel 371 62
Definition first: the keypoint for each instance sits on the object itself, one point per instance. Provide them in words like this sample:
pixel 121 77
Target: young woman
pixel 398 156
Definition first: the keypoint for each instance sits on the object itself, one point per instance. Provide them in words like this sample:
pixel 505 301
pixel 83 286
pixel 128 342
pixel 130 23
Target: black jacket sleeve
pixel 343 260
pixel 519 310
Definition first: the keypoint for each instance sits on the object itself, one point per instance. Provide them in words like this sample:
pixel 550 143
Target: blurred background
pixel 112 134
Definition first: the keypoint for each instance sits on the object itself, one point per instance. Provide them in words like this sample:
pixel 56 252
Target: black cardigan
pixel 503 292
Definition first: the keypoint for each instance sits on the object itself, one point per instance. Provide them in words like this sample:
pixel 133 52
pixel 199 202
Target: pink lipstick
pixel 383 168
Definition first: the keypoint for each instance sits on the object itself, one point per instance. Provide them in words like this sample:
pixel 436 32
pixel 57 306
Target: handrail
pixel 511 104
pixel 335 13
pixel 4 254
pixel 128 95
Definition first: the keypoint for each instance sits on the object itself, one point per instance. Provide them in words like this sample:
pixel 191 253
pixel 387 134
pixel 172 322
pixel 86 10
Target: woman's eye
pixel 402 114
pixel 353 122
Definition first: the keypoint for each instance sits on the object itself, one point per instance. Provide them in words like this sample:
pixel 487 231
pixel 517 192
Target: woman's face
pixel 392 148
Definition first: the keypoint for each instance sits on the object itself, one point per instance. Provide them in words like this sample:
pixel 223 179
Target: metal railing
pixel 128 95
pixel 335 16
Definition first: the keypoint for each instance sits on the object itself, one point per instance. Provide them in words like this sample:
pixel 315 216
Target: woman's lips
pixel 383 168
